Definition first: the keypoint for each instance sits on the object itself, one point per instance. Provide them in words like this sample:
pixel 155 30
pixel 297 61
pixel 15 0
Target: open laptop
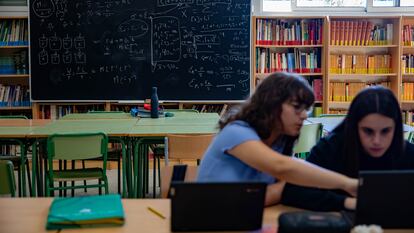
pixel 216 206
pixel 385 198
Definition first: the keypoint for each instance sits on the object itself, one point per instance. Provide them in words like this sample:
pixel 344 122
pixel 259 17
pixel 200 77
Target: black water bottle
pixel 154 103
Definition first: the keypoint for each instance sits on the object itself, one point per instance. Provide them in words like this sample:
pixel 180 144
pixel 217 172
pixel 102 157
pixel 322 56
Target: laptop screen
pixel 386 198
pixel 216 206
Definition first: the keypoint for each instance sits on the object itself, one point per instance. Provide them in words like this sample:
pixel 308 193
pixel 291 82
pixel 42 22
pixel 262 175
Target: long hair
pixel 262 110
pixel 371 100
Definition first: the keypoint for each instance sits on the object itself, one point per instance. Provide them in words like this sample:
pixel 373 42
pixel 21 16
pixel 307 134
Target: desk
pixel 29 215
pixel 109 115
pixel 116 129
pixel 156 129
pixel 330 123
pixel 17 131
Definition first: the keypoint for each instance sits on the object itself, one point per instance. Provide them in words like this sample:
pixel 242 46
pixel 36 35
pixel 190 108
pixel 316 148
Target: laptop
pixel 385 198
pixel 217 206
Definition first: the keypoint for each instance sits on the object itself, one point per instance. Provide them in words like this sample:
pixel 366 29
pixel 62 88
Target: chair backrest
pixel 409 136
pixel 309 136
pixel 166 176
pixel 7 180
pixel 77 146
pixel 187 146
pixel 14 117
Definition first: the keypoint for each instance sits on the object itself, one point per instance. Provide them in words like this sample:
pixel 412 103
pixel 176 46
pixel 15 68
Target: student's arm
pixel 259 156
pixel 324 154
pixel 274 193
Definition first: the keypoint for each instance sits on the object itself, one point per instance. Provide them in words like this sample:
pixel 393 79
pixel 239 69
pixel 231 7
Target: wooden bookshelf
pixel 290 44
pixel 14 73
pixel 361 51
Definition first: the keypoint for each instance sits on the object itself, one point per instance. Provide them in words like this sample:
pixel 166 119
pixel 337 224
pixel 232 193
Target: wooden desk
pixel 17 132
pixel 186 123
pixel 29 215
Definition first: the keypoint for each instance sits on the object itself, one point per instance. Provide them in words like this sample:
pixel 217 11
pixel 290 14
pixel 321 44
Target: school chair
pixel 73 147
pixel 18 161
pixel 13 117
pixel 176 173
pixel 308 137
pixel 183 147
pixel 7 180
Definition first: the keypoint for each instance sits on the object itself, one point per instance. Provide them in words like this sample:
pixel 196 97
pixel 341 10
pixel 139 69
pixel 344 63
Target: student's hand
pixel 351 186
pixel 274 193
pixel 350 203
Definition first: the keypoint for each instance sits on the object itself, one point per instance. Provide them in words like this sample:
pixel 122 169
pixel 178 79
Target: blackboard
pixel 118 49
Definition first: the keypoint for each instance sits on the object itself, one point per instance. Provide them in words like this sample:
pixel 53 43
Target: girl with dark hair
pixel 253 141
pixel 369 138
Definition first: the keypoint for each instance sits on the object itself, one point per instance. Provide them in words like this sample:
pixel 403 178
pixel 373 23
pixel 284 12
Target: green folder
pixel 88 211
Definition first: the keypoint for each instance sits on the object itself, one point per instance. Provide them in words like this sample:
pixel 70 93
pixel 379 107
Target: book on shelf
pixel 360 33
pixel 13 32
pixel 294 61
pixel 289 31
pixel 345 92
pixel 360 64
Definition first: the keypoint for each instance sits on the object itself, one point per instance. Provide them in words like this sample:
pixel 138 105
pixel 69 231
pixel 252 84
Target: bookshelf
pixel 291 44
pixel 14 66
pixel 361 51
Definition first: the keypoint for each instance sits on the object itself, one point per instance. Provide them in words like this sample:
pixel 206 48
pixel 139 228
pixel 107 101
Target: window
pixel 406 2
pixel 383 3
pixel 277 5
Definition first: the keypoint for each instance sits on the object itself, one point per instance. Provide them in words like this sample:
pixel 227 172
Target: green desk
pixel 154 131
pixel 116 129
pixel 18 131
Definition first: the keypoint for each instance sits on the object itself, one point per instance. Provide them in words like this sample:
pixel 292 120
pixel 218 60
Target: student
pixel 252 143
pixel 369 138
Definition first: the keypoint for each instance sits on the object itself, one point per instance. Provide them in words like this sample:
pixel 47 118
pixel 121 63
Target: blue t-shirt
pixel 218 165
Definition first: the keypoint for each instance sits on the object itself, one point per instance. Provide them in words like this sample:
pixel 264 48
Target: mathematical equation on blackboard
pixel 202 43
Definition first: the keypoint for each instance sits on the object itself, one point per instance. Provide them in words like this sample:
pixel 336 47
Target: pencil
pixel 156 212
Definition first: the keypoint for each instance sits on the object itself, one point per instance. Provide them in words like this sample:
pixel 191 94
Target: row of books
pixel 408 35
pixel 6 150
pixel 13 32
pixel 15 64
pixel 317 86
pixel 54 111
pixel 360 64
pixel 407 91
pixel 407 64
pixel 407 117
pixel 357 32
pixel 295 60
pixel 289 32
pixel 221 109
pixel 345 92
pixel 14 95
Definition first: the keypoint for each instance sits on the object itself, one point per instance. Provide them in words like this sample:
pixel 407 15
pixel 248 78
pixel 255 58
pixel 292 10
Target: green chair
pixel 13 117
pixel 72 147
pixel 7 181
pixel 309 136
pixel 18 161
pixel 409 136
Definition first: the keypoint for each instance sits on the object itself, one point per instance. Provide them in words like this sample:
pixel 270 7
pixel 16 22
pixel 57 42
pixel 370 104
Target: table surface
pixel 30 214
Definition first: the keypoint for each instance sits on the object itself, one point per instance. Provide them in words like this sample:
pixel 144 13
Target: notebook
pixel 88 211
pixel 385 198
pixel 216 206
